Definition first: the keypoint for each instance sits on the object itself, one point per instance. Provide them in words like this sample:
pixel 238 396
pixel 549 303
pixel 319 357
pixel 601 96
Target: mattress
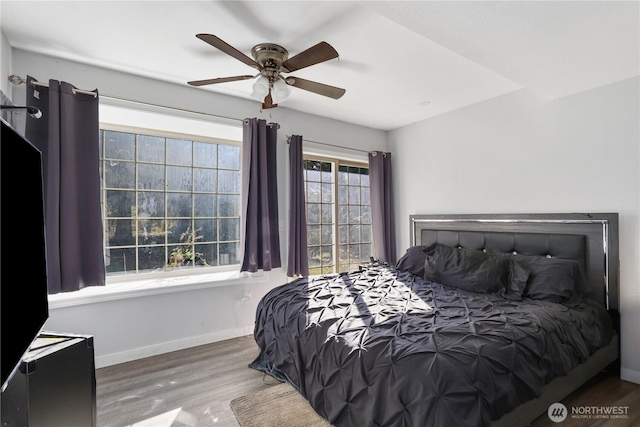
pixel 385 347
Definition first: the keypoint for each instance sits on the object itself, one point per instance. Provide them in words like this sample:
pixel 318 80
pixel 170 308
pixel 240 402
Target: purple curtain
pixel 298 264
pixel 68 136
pixel 260 196
pixel 382 216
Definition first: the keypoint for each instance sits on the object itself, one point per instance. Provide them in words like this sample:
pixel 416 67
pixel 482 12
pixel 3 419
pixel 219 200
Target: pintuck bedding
pixel 386 346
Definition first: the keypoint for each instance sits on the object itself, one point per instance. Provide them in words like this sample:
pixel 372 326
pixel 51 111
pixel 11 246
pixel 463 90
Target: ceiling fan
pixel 272 60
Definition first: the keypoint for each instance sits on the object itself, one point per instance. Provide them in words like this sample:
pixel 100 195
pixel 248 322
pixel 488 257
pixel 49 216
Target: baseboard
pixel 630 375
pixel 166 347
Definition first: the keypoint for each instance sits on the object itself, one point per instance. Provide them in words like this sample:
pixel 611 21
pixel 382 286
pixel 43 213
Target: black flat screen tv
pixel 24 307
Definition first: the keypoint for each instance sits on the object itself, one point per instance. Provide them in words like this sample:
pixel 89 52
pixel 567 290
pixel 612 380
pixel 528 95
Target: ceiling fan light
pixel 280 91
pixel 260 88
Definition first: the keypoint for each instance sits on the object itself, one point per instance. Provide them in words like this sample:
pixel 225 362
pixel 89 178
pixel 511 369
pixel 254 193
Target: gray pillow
pixel 413 260
pixel 475 271
pixel 553 279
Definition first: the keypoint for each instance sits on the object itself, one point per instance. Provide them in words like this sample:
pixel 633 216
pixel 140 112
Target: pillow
pixel 413 260
pixel 553 279
pixel 475 271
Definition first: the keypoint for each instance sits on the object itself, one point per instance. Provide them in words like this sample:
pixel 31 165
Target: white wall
pixel 126 329
pixel 521 154
pixel 5 65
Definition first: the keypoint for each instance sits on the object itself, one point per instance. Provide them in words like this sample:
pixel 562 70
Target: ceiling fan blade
pixel 321 52
pixel 268 102
pixel 228 49
pixel 218 80
pixel 315 87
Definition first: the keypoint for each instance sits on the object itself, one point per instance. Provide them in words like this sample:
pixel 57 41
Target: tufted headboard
pixel 591 239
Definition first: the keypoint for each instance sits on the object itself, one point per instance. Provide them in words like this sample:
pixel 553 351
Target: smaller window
pixel 338 206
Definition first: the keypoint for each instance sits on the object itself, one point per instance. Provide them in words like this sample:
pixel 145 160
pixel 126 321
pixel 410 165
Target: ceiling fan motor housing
pixel 270 57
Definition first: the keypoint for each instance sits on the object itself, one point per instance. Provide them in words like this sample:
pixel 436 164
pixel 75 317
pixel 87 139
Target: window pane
pixel 228 157
pixel 205 154
pixel 364 177
pixel 151 231
pixel 326 174
pixel 326 253
pixel 313 213
pixel 354 195
pixel 313 171
pixel 119 203
pixel 354 254
pixel 178 230
pixel 179 152
pixel 204 205
pixel 180 256
pixel 151 258
pixel 150 149
pixel 327 234
pixel 121 260
pixel 313 235
pixel 354 214
pixel 354 233
pixel 178 178
pixel 343 175
pixel 206 230
pixel 119 174
pixel 327 214
pixel 365 197
pixel 327 193
pixel 343 214
pixel 150 203
pixel 229 229
pixel 365 235
pixel 343 194
pixel 120 232
pixel 150 177
pixel 208 253
pixel 229 204
pixel 313 192
pixel 179 205
pixel 205 180
pixel 314 256
pixel 354 176
pixel 365 212
pixel 365 252
pixel 228 181
pixel 343 254
pixel 229 253
pixel 343 233
pixel 119 145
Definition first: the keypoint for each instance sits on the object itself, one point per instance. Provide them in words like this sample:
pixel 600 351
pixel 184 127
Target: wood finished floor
pixel 193 388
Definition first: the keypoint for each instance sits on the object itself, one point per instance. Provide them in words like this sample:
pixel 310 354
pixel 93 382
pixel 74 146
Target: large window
pixel 169 201
pixel 338 214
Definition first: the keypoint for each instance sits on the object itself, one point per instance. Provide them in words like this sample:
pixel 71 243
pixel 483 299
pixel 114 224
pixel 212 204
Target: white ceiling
pixel 395 56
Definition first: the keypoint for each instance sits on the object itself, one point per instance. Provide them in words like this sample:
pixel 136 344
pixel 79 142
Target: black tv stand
pixel 55 384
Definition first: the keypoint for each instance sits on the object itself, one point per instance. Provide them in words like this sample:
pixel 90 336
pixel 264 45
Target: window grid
pixel 338 214
pixel 195 188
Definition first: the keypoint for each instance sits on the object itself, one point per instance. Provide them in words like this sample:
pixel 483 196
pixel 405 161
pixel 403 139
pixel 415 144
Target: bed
pixel 486 320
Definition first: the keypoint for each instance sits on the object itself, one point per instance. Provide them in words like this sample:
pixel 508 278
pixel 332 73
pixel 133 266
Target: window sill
pixel 120 288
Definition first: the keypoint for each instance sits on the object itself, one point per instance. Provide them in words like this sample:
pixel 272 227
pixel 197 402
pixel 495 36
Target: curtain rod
pixel 334 145
pixel 17 80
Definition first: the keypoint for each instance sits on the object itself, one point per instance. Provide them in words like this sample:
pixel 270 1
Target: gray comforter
pixel 383 347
